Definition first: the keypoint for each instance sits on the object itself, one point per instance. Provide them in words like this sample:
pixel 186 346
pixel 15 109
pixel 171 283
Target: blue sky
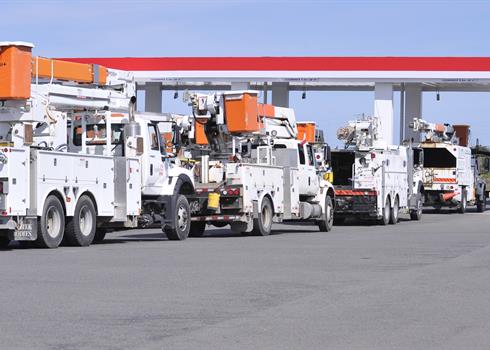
pixel 270 28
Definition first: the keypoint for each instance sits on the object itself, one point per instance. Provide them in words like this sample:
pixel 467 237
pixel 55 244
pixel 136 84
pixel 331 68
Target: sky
pixel 270 28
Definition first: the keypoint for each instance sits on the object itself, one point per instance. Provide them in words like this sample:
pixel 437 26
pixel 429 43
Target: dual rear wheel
pixel 390 214
pixel 78 230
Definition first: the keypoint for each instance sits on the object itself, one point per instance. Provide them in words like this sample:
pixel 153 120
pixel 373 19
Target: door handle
pixel 151 169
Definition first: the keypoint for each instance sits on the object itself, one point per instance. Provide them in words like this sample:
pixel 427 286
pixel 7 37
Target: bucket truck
pixel 255 171
pixel 451 175
pixel 372 179
pixel 111 171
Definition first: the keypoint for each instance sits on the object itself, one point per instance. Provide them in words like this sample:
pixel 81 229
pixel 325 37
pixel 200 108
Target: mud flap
pixel 168 207
pixel 255 208
pixel 26 230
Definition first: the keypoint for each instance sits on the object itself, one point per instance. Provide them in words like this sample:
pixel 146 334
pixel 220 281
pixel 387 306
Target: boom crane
pixel 259 124
pixel 435 132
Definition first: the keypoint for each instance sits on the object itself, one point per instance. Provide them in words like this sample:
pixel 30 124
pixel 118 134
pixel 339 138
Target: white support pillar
pixel 240 85
pixel 280 94
pixel 153 97
pixel 383 110
pixel 413 109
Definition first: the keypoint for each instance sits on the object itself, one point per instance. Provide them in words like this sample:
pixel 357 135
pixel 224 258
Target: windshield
pixel 438 158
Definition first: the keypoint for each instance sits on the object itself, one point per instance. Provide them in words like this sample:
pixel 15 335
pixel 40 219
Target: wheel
pixel 80 229
pixel 197 228
pixel 385 219
pixel 4 242
pixel 481 205
pixel 263 224
pixel 51 225
pixel 99 235
pixel 416 214
pixel 463 204
pixel 326 224
pixel 395 212
pixel 182 220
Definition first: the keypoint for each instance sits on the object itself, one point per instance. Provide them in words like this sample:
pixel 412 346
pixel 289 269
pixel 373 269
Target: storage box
pixel 306 131
pixel 15 70
pixel 241 112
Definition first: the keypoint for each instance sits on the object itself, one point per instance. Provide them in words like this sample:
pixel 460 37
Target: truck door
pixel 155 169
pixel 307 171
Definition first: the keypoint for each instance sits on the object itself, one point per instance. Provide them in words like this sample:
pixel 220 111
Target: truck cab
pixel 163 179
pixel 307 169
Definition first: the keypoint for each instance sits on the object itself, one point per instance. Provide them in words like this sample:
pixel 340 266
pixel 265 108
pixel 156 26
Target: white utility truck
pixel 75 159
pixel 451 177
pixel 255 171
pixel 374 180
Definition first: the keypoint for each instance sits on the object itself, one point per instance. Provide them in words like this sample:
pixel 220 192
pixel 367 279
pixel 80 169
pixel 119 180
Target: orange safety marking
pixel 354 193
pixel 445 179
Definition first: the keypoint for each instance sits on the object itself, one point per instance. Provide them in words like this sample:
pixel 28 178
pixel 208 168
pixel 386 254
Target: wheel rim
pixel 53 222
pixel 85 221
pixel 266 216
pixel 182 217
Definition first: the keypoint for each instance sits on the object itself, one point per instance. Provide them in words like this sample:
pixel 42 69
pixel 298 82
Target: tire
pixel 416 214
pixel 99 235
pixel 481 205
pixel 80 229
pixel 4 242
pixel 326 224
pixel 182 220
pixel 462 206
pixel 395 211
pixel 263 224
pixel 51 225
pixel 197 228
pixel 385 219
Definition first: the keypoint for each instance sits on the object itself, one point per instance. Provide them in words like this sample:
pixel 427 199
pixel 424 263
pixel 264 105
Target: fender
pixel 168 200
pixel 174 175
pixel 325 188
pixel 260 198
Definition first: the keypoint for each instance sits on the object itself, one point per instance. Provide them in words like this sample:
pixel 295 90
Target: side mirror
pixel 327 154
pixel 177 141
pixel 28 134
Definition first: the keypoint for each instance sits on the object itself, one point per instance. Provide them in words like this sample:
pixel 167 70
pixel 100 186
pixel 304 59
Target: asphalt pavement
pixel 416 285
